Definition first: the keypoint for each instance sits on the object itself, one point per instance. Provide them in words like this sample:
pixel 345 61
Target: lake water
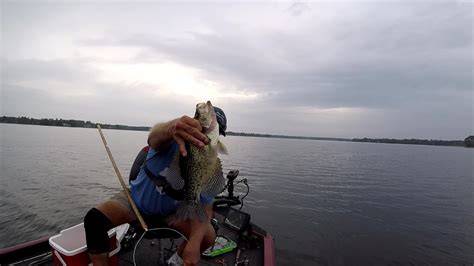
pixel 325 202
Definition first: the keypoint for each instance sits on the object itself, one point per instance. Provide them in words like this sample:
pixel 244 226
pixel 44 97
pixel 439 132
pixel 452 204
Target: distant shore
pixel 468 142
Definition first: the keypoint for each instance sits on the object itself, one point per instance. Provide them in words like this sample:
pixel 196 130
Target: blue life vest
pixel 150 198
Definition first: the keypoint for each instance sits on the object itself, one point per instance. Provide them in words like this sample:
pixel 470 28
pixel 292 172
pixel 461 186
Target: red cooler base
pixel 69 247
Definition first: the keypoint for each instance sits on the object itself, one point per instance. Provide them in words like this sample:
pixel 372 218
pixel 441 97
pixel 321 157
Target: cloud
pixel 372 58
pixel 334 69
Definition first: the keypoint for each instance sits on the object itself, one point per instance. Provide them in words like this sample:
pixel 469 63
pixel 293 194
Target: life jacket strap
pixel 160 181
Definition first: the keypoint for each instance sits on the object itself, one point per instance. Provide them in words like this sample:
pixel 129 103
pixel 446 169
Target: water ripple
pixel 326 203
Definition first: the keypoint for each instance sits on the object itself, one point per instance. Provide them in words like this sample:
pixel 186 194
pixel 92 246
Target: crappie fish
pixel 201 170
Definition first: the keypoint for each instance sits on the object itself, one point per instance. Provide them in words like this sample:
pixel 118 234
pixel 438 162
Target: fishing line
pixel 151 230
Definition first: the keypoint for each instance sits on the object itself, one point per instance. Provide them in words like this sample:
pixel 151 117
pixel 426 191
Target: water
pixel 336 203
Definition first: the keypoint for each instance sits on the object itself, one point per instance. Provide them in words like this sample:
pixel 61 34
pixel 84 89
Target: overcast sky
pixel 333 69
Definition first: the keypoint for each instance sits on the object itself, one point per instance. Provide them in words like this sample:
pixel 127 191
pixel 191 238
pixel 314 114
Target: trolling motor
pixel 229 199
pixel 231 176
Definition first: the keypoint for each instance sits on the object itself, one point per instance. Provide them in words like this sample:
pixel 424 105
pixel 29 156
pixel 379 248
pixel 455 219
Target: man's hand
pixel 187 129
pixel 182 130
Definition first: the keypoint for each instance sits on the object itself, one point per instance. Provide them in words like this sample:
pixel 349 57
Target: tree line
pixel 468 142
pixel 65 123
pixel 416 141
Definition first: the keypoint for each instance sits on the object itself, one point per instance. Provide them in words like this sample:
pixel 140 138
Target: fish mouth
pixel 206 130
pixel 208 125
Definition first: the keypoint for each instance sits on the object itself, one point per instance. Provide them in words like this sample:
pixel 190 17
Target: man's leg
pixel 101 219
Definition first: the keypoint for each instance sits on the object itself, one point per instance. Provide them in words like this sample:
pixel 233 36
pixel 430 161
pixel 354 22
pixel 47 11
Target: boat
pixel 242 242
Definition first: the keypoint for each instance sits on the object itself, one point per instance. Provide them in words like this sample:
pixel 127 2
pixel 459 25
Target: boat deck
pixel 156 247
pixel 155 250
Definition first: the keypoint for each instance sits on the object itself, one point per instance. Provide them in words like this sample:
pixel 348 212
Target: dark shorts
pixel 121 199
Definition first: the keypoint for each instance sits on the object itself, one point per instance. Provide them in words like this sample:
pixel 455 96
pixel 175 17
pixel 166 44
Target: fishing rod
pixel 124 186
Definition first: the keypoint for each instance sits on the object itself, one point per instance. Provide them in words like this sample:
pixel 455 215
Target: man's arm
pixel 184 129
pixel 199 231
pixel 198 228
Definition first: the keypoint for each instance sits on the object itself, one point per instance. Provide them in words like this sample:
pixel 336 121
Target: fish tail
pixel 190 211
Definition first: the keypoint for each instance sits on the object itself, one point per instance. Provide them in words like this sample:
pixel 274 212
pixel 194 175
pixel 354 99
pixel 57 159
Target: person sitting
pixel 154 197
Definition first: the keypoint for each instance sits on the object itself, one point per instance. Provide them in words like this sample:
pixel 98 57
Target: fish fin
pixel 190 211
pixel 173 174
pixel 221 148
pixel 216 183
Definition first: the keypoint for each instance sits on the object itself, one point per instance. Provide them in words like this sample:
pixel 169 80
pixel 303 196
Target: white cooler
pixel 69 246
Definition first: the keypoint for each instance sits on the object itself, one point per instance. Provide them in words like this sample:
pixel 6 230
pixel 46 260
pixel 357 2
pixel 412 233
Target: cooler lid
pixel 72 241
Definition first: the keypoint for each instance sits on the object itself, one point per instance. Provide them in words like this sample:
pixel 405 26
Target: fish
pixel 201 170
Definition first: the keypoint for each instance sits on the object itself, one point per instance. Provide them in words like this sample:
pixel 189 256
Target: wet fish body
pixel 201 169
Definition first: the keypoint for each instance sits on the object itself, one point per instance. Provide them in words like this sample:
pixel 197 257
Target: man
pixel 155 198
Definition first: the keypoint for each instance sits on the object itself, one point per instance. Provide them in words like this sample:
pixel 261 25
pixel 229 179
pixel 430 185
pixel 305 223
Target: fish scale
pixel 201 169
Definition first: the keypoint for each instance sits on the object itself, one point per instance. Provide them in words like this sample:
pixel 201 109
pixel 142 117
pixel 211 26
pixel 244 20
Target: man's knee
pixel 116 212
pixel 96 225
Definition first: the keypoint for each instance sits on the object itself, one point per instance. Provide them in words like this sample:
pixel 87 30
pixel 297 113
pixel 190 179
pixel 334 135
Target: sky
pixel 350 69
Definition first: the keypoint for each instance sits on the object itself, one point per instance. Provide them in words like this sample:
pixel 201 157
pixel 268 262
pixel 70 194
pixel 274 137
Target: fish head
pixel 206 116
